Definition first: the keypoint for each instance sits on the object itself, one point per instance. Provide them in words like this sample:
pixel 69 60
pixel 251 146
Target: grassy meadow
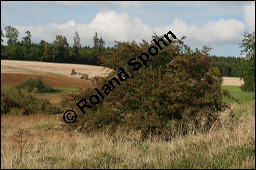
pixel 47 144
pixel 237 92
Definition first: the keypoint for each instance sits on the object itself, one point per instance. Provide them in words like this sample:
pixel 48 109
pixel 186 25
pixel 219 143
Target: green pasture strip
pixel 65 90
pixel 57 89
pixel 236 91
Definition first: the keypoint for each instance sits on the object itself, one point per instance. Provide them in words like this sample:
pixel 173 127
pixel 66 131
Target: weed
pixel 22 137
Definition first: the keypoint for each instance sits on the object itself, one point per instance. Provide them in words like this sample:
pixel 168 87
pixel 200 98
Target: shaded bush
pixel 177 92
pixel 18 101
pixel 36 86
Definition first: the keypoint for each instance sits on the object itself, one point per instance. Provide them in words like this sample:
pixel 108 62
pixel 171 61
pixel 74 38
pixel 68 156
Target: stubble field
pixel 30 67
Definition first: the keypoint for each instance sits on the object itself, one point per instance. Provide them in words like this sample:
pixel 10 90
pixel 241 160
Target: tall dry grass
pixel 227 145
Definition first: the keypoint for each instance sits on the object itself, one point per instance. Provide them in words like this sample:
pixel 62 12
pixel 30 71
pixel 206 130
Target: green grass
pixel 56 89
pixel 237 92
pixel 5 88
pixel 65 90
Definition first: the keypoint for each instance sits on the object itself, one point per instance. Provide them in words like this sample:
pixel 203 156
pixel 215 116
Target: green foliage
pixel 47 52
pixel 12 35
pixel 27 39
pixel 178 91
pixel 2 36
pixel 37 86
pixel 13 52
pixel 60 49
pixel 247 69
pixel 57 51
pixel 98 47
pixel 227 65
pixel 18 101
pixel 76 46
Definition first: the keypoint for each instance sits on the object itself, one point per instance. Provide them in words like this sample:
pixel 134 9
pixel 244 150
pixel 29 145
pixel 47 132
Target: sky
pixel 217 24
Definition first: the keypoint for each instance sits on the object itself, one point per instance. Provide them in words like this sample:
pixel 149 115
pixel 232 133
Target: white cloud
pixel 217 32
pixel 249 15
pixel 119 26
pixel 110 25
pixel 114 26
pixel 104 4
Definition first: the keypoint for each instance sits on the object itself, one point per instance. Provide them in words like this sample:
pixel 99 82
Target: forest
pixel 61 52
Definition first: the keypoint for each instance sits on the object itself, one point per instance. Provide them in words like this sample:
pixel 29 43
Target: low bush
pixel 19 101
pixel 35 86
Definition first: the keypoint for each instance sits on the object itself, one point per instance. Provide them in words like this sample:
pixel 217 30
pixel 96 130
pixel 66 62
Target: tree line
pixel 60 51
pixel 228 66
pixel 57 51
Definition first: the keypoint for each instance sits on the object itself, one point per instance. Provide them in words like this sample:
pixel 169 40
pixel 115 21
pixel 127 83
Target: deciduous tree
pixel 2 36
pixel 26 41
pixel 60 49
pixel 248 65
pixel 11 34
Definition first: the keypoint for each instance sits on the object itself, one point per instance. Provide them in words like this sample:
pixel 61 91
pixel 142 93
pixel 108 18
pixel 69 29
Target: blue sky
pixel 218 24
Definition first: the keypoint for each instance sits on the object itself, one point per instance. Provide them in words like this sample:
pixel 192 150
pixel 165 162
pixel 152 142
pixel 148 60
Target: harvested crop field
pixel 26 67
pixel 14 79
pixel 232 81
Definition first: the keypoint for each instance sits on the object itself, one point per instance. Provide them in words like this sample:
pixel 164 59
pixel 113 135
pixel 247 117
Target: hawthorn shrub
pixel 177 92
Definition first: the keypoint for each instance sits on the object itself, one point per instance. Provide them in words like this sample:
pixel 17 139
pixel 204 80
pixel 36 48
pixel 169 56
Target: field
pixel 49 145
pixel 33 69
pixel 54 74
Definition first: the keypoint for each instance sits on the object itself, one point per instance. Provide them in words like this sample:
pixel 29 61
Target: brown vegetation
pixel 50 146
